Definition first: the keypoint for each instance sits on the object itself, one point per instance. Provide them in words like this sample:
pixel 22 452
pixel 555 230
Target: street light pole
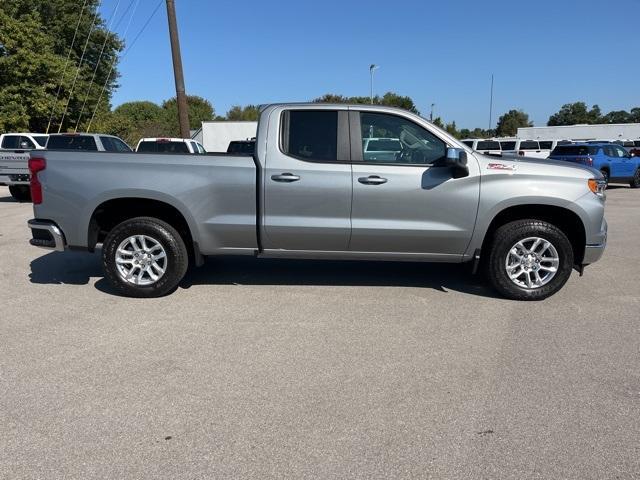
pixel 372 67
pixel 431 116
pixel 181 97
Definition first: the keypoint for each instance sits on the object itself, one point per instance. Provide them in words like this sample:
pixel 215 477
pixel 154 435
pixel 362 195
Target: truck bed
pixel 215 193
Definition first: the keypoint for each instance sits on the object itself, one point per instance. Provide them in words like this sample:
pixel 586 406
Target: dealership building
pixel 614 131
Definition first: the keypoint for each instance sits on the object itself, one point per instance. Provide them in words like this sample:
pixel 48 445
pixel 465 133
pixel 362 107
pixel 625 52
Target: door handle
pixel 285 177
pixel 372 180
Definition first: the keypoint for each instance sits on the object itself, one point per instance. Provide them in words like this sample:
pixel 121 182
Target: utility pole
pixel 491 105
pixel 431 116
pixel 181 97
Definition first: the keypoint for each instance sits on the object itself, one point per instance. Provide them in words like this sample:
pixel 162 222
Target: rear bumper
pixel 46 234
pixel 14 179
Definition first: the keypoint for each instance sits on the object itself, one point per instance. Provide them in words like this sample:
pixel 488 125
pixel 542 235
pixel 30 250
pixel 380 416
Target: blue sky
pixel 542 53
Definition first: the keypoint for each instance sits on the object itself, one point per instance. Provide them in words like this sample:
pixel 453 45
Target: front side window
pixel 41 139
pixel 404 142
pixel 112 144
pixel 311 135
pixel 621 152
pixel 26 143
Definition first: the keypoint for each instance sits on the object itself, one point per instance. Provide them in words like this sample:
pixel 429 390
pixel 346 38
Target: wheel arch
pixel 563 218
pixel 114 211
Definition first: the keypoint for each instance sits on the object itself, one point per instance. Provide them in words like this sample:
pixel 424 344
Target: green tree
pixel 200 109
pixel 575 113
pixel 132 121
pixel 617 116
pixel 390 99
pixel 634 115
pixel 509 123
pixel 452 129
pixel 36 36
pixel 247 113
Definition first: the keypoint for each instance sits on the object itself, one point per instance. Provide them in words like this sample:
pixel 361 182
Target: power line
pixel 123 55
pixel 137 2
pixel 84 50
pixel 142 29
pixel 95 70
pixel 64 70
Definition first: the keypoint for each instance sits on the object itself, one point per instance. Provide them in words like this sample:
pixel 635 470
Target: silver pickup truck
pixel 310 191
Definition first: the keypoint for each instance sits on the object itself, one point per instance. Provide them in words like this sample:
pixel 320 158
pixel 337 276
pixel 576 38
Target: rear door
pixel 408 204
pixel 307 181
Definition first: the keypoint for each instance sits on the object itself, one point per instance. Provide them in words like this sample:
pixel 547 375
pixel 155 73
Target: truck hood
pixel 536 166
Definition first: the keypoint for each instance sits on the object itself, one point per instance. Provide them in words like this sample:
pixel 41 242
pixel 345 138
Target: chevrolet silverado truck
pixel 309 191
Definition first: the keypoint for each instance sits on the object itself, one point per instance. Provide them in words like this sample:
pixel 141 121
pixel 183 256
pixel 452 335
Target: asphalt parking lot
pixel 299 369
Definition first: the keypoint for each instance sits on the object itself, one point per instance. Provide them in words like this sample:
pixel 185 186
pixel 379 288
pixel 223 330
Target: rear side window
pixel 488 145
pixel 311 134
pixel 574 150
pixel 72 142
pixel 508 145
pixel 468 143
pixel 11 142
pixel 546 145
pixel 194 147
pixel 41 139
pixel 112 144
pixel 529 145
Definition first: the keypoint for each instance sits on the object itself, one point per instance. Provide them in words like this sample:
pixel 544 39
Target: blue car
pixel 613 161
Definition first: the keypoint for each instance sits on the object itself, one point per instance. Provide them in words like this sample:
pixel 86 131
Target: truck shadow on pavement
pixel 71 268
pixel 77 268
pixel 249 271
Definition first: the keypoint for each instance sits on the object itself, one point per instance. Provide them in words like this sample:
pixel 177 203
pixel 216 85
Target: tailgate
pixel 14 167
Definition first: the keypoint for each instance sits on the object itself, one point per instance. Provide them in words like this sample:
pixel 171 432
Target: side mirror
pixel 457 159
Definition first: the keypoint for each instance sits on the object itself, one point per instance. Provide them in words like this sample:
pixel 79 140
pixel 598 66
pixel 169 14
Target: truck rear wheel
pixel 529 260
pixel 21 193
pixel 144 257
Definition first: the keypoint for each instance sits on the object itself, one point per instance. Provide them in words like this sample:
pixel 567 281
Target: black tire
pixel 635 181
pixel 605 174
pixel 176 265
pixel 511 233
pixel 21 193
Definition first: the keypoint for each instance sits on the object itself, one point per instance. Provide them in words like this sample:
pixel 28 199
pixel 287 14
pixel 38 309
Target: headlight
pixel 597 186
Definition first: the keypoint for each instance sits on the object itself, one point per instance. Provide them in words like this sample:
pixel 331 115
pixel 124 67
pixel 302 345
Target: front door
pixel 307 182
pixel 403 202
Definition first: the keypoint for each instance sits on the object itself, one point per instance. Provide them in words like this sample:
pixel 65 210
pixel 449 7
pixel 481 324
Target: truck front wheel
pixel 144 257
pixel 529 260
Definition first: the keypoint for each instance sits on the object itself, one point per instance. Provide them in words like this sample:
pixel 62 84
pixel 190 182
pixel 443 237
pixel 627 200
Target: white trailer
pixel 215 135
pixel 613 131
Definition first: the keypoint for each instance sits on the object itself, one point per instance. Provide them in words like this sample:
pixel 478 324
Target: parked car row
pixel 14 171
